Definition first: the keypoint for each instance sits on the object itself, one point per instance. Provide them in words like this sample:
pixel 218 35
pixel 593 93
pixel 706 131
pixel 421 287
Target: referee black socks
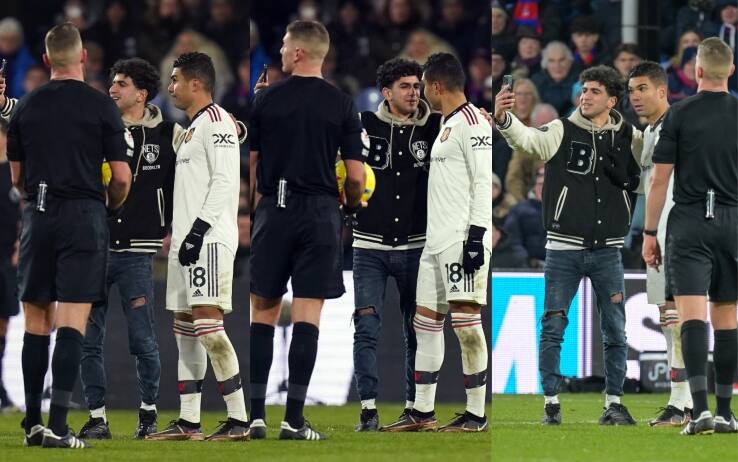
pixel 35 362
pixel 725 357
pixel 65 369
pixel 261 350
pixel 694 351
pixel 303 351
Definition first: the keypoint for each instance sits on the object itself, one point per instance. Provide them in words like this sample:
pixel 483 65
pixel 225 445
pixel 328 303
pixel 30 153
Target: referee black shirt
pixel 704 150
pixel 299 141
pixel 62 132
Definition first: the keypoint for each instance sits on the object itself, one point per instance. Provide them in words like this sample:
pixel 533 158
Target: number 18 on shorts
pixel 208 282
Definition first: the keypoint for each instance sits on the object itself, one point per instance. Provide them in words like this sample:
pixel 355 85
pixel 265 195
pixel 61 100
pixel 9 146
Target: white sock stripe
pixel 466 316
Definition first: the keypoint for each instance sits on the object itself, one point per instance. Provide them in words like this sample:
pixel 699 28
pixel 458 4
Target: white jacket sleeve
pixel 542 142
pixel 477 147
pixel 223 156
pixel 7 108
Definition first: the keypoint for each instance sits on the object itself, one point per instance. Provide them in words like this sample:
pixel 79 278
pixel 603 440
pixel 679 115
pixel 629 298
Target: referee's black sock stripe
pixel 694 351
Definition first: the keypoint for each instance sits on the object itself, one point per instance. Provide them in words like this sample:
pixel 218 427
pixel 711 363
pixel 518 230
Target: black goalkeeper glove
pixel 473 257
pixel 619 175
pixel 189 251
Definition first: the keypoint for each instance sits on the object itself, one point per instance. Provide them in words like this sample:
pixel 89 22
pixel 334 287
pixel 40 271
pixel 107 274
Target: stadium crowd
pixel 545 45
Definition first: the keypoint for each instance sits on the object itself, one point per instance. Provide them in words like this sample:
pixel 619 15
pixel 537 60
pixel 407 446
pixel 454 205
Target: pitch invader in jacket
pixel 390 232
pixel 204 241
pixel 454 265
pixel 592 165
pixel 647 90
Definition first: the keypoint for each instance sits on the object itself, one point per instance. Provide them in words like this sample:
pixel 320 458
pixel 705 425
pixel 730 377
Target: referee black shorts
pixel 63 252
pixel 701 254
pixel 302 242
pixel 9 305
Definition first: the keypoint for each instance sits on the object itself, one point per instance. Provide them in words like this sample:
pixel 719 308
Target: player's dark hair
pixel 197 66
pixel 605 76
pixel 142 73
pixel 650 69
pixel 395 69
pixel 446 69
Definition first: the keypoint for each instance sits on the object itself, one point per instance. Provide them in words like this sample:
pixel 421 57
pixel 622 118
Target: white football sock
pixel 147 407
pixel 468 329
pixel 98 413
pixel 610 399
pixel 191 368
pixel 368 404
pixel 223 358
pixel 550 399
pixel 409 404
pixel 680 397
pixel 428 361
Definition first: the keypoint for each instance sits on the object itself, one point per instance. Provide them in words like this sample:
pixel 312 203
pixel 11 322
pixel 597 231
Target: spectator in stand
pixel 401 17
pixel 75 11
pixel 161 25
pixel 528 60
pixel 521 171
pixel 501 205
pixel 727 12
pixel 499 68
pixel 257 54
pixel 95 64
pixel 456 29
pixel 477 75
pixel 13 48
pixel 689 38
pixel 505 254
pixel 236 100
pixel 421 44
pixel 226 28
pixel 351 36
pixel 524 223
pixel 696 15
pixel 115 32
pixel 36 76
pixel 585 34
pixel 682 81
pixel 625 57
pixel 503 42
pixel 557 76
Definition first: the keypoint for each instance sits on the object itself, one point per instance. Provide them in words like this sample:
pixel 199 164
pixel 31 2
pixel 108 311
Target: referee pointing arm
pixel 698 142
pixel 297 127
pixel 64 240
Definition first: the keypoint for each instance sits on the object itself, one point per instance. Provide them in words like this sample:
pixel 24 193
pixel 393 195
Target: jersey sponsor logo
pixel 420 149
pixel 481 142
pixel 223 140
pixel 188 135
pixel 444 135
pixel 150 152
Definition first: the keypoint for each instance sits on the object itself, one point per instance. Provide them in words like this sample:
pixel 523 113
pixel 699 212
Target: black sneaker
pixel 368 421
pixel 258 429
pixel 726 426
pixel 305 433
pixel 146 424
pixel 616 414
pixel 465 422
pixel 178 430
pixel 230 430
pixel 702 425
pixel 412 422
pixel 96 428
pixel 68 441
pixel 35 437
pixel 551 414
pixel 669 416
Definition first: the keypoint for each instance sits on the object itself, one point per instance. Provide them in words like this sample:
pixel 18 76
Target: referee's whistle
pixel 41 197
pixel 710 204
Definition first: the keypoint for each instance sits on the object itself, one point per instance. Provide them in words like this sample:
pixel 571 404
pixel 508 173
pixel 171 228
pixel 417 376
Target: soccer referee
pixel 55 155
pixel 297 127
pixel 699 143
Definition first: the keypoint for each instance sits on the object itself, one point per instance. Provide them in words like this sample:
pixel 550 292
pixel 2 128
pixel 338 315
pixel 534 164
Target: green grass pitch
pixel 517 435
pixel 343 445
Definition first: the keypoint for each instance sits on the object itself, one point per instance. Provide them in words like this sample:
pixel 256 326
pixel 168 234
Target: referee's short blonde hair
pixel 63 45
pixel 715 58
pixel 313 36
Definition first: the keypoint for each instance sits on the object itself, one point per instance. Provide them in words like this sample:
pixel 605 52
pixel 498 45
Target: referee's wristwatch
pixel 650 232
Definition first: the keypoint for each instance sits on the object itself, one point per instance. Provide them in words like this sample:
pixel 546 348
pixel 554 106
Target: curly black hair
pixel 142 73
pixel 606 76
pixel 445 68
pixel 197 66
pixel 395 69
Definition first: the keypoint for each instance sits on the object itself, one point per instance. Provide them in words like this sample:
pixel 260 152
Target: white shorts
pixel 441 280
pixel 207 282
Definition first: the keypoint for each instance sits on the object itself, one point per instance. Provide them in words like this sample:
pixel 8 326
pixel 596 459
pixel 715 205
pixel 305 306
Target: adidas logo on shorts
pixel 454 288
pixel 197 293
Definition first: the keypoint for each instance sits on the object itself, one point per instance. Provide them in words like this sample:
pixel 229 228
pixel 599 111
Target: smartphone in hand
pixel 3 65
pixel 507 81
pixel 263 76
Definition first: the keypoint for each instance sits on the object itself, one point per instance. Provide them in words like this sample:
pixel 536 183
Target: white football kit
pixel 206 186
pixel 459 195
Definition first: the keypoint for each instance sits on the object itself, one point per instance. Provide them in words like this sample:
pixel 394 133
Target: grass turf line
pixel 517 434
pixel 337 422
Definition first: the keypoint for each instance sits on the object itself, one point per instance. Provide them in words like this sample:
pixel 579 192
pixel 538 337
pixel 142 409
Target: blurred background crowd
pixel 545 45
